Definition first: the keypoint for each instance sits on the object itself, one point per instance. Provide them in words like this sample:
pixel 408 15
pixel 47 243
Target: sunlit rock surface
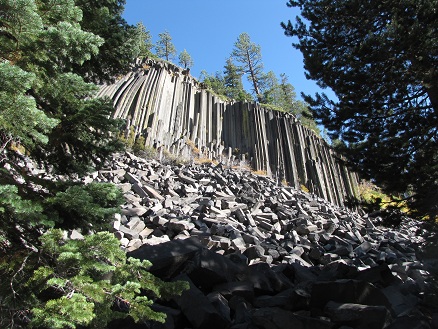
pixel 173 111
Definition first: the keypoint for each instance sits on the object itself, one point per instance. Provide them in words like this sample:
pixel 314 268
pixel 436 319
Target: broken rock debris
pixel 262 255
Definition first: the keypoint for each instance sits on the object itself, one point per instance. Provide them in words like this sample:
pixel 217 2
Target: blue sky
pixel 208 29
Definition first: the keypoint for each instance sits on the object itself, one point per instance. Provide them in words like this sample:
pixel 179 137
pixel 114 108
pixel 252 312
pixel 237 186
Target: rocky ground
pixel 259 255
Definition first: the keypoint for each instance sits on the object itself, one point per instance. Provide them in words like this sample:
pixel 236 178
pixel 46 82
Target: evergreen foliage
pixel 20 118
pixel 20 219
pixel 51 110
pixel 139 145
pixel 131 142
pixel 47 111
pixel 85 282
pixel 86 132
pixel 286 98
pixel 185 59
pixel 269 88
pixel 216 83
pixel 145 40
pixel 88 207
pixel 249 55
pixel 233 82
pixel 123 42
pixel 164 47
pixel 380 59
pixel 281 96
pixel 271 94
pixel 302 112
pixel 128 137
pixel 48 116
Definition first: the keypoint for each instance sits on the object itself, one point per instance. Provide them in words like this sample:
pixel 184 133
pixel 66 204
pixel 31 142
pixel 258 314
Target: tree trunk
pixel 253 78
pixel 432 92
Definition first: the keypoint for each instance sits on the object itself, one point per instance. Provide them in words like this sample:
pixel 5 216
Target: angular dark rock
pixel 254 252
pixel 265 280
pixel 241 308
pixel 337 270
pixel 198 309
pixel 151 192
pixel 134 211
pixel 208 269
pixel 379 275
pixel 128 233
pixel 358 316
pixel 401 303
pixel 277 318
pixel 251 247
pixel 411 322
pixel 244 289
pixel 346 291
pixel 168 258
pixel 221 305
pixel 292 299
pixel 174 318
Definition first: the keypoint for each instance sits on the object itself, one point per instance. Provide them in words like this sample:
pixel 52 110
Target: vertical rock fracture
pixel 173 111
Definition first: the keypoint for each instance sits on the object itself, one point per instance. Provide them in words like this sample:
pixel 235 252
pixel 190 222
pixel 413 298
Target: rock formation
pixel 171 110
pixel 262 255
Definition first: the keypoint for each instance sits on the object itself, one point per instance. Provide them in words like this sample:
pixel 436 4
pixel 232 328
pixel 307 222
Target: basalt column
pixel 172 110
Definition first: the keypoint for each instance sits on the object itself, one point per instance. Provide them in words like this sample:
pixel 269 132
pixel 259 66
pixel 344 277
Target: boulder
pixel 277 318
pixel 208 269
pixel 346 291
pixel 198 309
pixel 168 258
pixel 358 316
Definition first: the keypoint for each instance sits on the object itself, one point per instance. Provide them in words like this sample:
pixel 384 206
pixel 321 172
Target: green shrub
pixel 91 282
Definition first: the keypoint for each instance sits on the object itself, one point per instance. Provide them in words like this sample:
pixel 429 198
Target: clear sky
pixel 208 29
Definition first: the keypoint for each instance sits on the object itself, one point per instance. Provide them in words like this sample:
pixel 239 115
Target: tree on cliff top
pixel 228 83
pixel 145 40
pixel 185 59
pixel 233 82
pixel 164 47
pixel 281 96
pixel 249 55
pixel 216 82
pixel 380 59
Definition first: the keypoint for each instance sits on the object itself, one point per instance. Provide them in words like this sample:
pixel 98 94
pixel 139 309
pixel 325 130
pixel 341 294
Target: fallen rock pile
pixel 259 255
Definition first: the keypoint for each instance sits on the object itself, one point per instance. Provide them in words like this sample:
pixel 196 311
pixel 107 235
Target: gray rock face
pixel 261 255
pixel 175 113
pixel 358 316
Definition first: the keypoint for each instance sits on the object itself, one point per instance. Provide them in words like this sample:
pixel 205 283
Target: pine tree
pixel 185 59
pixel 76 283
pixel 233 82
pixel 379 58
pixel 145 40
pixel 21 120
pixel 46 109
pixel 214 82
pixel 164 47
pixel 249 55
pixel 287 101
pixel 302 112
pixel 287 95
pixel 269 89
pixel 122 42
pixel 48 116
pixel 94 283
pixel 47 49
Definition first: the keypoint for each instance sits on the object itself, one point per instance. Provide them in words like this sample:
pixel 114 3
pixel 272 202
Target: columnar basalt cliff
pixel 172 110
